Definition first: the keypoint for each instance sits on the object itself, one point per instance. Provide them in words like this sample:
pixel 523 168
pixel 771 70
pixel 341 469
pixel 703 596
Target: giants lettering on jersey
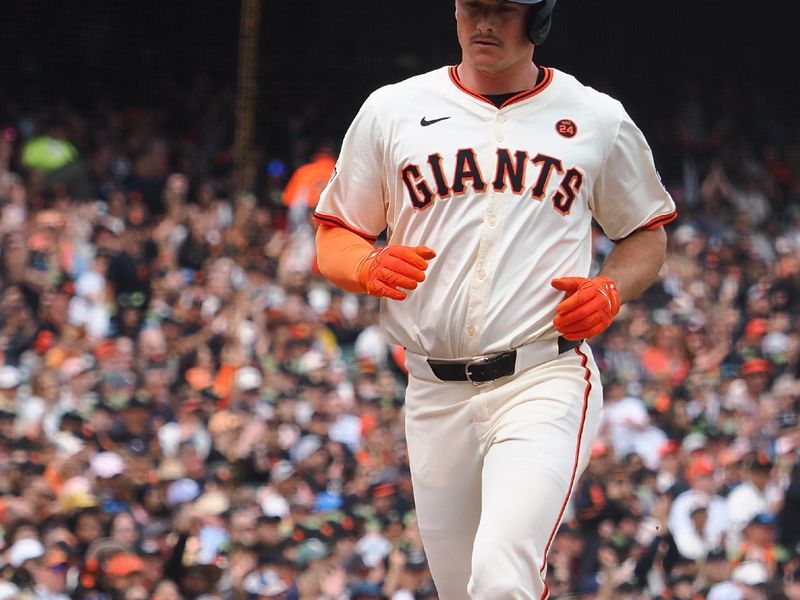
pixel 511 172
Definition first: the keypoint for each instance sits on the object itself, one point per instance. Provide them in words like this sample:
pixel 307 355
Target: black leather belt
pixel 486 368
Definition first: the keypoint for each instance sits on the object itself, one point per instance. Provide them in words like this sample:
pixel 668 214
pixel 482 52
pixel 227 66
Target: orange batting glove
pixel 589 307
pixel 392 267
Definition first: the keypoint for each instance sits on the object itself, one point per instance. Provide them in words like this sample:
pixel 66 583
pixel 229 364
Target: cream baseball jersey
pixel 505 196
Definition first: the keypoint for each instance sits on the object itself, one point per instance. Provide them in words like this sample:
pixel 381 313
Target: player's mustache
pixel 487 38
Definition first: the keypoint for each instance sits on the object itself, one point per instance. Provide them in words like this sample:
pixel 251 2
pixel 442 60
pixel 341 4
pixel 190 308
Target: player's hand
pixel 387 269
pixel 588 308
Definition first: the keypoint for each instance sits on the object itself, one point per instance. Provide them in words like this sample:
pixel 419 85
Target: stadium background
pixel 327 57
pixel 713 85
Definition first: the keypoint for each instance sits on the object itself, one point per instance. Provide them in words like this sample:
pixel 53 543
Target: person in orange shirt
pixel 306 184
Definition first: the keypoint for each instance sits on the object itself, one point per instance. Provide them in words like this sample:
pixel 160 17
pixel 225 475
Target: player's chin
pixel 488 62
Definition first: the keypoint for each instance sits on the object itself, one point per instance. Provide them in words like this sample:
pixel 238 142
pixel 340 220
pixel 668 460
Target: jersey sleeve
pixel 355 195
pixel 628 194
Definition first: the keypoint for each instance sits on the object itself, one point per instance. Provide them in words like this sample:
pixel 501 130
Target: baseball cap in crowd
pixel 727 590
pixel 247 379
pixel 148 547
pixel 66 444
pixel 693 442
pixel 112 225
pixel 78 500
pixel 24 550
pixel 755 366
pixel 9 377
pixel 107 465
pixel 182 490
pixel 124 564
pixel 265 582
pixel 44 341
pixel 366 589
pixel 310 550
pixel 275 505
pixel 383 490
pixel 305 447
pixel 76 494
pixel 756 327
pixel 684 234
pixel 750 573
pixel 212 503
pixel 313 360
pixel 327 502
pixel 765 519
pixel 373 548
pixel 281 471
pixel 699 466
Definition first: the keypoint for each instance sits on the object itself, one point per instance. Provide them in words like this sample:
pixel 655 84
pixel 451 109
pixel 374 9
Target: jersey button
pixel 472 330
pixel 492 221
pixel 500 138
pixel 481 275
pixel 501 119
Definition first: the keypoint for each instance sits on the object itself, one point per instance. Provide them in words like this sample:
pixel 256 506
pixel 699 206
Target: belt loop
pixel 565 345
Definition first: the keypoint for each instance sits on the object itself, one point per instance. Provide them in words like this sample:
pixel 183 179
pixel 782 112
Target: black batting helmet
pixel 540 20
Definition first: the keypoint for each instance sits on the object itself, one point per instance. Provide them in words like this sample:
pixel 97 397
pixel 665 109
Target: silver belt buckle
pixel 478 361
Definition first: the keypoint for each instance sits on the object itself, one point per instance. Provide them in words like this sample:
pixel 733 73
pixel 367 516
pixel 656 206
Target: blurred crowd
pixel 188 411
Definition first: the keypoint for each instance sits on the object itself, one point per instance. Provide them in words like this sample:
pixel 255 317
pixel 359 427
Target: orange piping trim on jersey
pixel 524 95
pixel 546 79
pixel 324 219
pixel 545 593
pixel 653 224
pixel 660 221
pixel 587 376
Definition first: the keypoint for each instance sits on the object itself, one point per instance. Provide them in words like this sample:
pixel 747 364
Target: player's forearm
pixel 635 261
pixel 340 254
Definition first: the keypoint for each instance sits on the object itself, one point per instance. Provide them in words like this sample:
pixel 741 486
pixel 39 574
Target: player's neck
pixel 517 78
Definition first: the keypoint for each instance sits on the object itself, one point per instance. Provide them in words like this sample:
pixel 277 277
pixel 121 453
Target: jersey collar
pixel 544 81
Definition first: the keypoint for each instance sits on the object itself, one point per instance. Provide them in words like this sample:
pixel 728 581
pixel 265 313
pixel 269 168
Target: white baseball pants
pixel 493 468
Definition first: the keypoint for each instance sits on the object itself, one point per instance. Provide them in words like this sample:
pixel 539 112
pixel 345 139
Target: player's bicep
pixel 628 193
pixel 355 193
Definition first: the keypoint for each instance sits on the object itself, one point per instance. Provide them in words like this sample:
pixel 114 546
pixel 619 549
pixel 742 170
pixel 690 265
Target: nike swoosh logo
pixel 424 122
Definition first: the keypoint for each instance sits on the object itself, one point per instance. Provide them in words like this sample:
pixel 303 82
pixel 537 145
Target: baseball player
pixel 486 176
